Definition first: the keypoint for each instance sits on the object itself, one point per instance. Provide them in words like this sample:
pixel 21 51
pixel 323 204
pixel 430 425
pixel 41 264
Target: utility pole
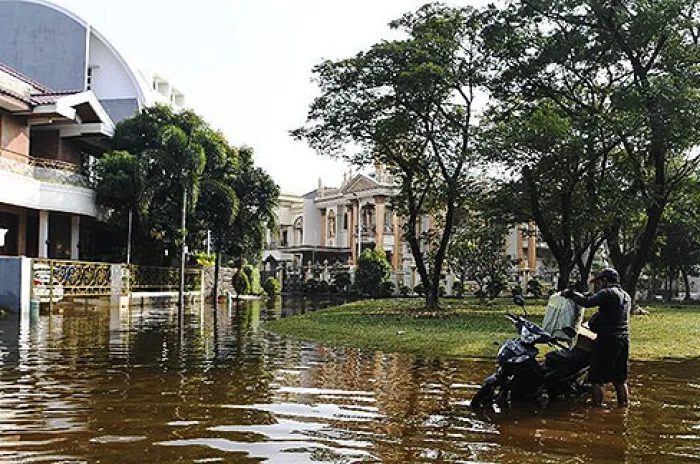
pixel 128 237
pixel 183 257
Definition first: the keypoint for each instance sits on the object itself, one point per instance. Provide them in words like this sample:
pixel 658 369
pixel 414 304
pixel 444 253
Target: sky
pixel 245 65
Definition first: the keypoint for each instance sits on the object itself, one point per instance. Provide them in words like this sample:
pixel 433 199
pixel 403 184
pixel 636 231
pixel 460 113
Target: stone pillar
pixel 352 231
pixel 380 211
pixel 22 233
pixel 532 249
pixel 43 234
pixel 397 258
pixel 75 238
pixel 324 223
pixel 519 248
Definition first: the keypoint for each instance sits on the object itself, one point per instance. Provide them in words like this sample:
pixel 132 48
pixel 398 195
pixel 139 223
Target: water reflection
pixel 131 385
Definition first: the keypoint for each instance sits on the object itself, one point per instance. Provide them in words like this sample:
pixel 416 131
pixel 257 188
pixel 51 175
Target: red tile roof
pixel 18 75
pixel 42 96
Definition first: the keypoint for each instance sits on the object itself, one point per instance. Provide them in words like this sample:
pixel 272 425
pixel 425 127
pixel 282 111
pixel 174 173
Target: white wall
pixel 312 223
pixel 110 80
pixel 30 193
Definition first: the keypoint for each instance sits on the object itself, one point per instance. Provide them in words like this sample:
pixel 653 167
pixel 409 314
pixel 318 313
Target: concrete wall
pixel 120 109
pixel 14 133
pixel 15 284
pixel 47 45
pixel 30 193
pixel 225 280
pixel 111 80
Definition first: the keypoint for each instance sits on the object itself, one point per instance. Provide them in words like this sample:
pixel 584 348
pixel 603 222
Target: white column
pixel 43 234
pixel 74 237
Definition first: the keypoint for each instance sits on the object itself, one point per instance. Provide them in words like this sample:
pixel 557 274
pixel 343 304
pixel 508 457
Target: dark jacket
pixel 614 305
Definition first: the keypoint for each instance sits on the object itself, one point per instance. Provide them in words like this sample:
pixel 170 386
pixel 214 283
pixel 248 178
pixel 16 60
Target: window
pixel 345 222
pixel 88 82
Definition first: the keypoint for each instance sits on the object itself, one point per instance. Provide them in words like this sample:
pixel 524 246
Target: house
pixel 322 228
pixel 46 206
pixel 52 45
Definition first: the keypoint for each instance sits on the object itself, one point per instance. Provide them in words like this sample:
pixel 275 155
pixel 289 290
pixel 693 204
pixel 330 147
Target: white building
pixel 52 45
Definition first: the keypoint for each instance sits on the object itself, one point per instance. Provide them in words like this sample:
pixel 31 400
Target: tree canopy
pixel 161 155
pixel 409 104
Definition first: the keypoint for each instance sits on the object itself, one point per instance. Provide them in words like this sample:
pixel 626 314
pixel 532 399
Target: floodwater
pixel 121 386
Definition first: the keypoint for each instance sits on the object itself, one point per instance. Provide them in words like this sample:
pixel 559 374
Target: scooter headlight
pixel 519 359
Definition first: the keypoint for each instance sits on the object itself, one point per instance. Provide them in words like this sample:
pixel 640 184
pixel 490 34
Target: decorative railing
pixel 162 279
pixel 42 169
pixel 71 278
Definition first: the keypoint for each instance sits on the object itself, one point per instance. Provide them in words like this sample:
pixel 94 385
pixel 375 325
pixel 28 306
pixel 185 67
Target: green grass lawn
pixel 470 328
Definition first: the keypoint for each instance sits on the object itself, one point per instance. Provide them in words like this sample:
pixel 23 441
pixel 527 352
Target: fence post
pixel 119 291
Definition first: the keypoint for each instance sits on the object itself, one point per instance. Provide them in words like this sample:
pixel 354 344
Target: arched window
pixel 299 231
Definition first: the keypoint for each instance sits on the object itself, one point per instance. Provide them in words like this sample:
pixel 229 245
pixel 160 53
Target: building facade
pixel 46 206
pixel 51 45
pixel 322 228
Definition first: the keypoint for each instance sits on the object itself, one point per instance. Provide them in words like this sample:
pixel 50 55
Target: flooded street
pixel 111 386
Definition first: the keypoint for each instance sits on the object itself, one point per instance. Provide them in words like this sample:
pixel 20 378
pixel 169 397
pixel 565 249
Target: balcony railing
pixel 42 169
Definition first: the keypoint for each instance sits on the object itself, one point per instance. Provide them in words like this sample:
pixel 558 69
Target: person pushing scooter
pixel 610 355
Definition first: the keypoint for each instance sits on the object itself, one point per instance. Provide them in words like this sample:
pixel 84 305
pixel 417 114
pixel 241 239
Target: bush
pixel 323 287
pixel 419 289
pixel 372 270
pixel 310 286
pixel 387 289
pixel 253 274
pixel 534 288
pixel 271 286
pixel 241 283
pixel 496 286
pixel 342 281
pixel 404 290
pixel 203 259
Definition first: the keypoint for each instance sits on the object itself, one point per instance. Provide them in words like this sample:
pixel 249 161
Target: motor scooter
pixel 521 377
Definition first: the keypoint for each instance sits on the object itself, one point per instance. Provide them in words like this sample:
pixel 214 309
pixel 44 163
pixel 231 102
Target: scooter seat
pixel 569 360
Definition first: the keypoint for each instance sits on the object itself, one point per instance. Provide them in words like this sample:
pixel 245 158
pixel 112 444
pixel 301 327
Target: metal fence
pixel 54 279
pixel 162 279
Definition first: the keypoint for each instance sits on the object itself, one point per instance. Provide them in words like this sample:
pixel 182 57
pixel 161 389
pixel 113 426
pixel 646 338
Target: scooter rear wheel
pixel 491 397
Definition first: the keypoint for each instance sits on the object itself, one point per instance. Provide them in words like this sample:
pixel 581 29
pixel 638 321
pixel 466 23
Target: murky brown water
pixel 112 386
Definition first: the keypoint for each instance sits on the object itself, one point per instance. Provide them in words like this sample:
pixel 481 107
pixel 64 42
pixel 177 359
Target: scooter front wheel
pixel 490 396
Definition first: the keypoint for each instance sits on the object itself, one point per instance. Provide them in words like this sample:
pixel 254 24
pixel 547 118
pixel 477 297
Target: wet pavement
pixel 119 386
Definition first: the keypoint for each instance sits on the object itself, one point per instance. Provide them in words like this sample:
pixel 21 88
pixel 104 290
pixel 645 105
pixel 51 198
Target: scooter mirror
pixel 519 301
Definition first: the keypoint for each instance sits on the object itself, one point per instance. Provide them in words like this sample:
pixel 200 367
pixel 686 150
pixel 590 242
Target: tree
pixel 408 103
pixel 161 155
pixel 679 247
pixel 560 183
pixel 272 287
pixel 258 195
pixel 641 57
pixel 478 248
pixel 372 271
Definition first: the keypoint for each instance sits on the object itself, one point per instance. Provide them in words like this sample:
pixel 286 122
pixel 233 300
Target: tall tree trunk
pixel 686 282
pixel 564 278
